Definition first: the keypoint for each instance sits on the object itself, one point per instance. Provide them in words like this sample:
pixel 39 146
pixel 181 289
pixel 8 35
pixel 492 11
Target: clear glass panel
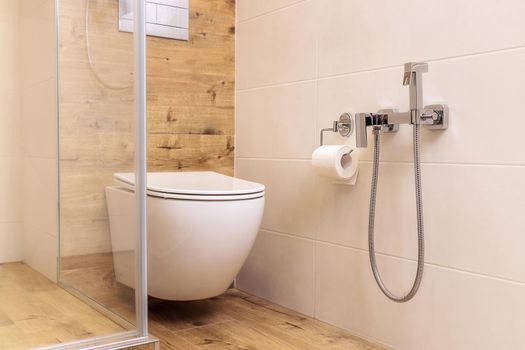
pixel 97 135
pixel 63 133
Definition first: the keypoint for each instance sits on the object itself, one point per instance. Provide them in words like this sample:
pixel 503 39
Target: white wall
pixel 38 118
pixel 299 65
pixel 28 136
pixel 10 150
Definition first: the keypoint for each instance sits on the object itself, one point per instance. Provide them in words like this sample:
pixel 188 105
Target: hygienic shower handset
pixel 434 117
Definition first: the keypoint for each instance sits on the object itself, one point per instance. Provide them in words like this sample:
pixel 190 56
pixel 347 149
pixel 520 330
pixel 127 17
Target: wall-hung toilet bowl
pixel 201 228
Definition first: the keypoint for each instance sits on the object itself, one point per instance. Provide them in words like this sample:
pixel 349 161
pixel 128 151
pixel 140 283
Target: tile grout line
pixel 379 69
pixel 178 332
pixel 384 254
pixel 366 161
pixel 36 83
pixel 435 60
pixel 371 341
pixel 317 117
pixel 307 80
pixel 270 12
pixel 277 85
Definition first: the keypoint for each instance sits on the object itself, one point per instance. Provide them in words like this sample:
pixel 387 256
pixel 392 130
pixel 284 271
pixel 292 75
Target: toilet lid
pixel 205 185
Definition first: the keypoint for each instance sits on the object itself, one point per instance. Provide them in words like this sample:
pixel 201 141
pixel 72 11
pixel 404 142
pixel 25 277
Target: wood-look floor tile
pixel 178 316
pixel 296 330
pixel 36 312
pixel 231 335
pixel 234 320
pixel 4 320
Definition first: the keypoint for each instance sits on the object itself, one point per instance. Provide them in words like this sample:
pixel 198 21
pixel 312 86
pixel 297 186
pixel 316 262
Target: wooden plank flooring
pixel 36 312
pixel 234 320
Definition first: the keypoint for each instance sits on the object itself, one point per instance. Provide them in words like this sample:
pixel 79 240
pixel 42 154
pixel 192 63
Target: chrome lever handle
pixel 435 117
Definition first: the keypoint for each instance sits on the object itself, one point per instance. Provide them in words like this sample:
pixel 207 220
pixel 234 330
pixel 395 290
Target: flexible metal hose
pixel 420 226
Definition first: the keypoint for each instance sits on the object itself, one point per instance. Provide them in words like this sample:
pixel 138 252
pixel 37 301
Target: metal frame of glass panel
pixel 139 336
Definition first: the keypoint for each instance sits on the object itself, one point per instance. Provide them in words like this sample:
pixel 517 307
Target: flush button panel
pixel 164 18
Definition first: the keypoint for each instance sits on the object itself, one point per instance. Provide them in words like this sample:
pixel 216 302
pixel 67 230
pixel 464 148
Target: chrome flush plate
pixel 164 18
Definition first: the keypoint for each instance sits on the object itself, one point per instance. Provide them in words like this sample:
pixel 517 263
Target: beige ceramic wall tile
pixel 9 45
pixel 38 133
pixel 293 258
pixel 37 40
pixel 28 114
pixel 277 48
pixel 10 185
pixel 10 242
pixel 40 195
pixel 277 122
pixel 247 9
pixel 297 201
pixel 41 253
pixel 39 120
pixel 291 194
pixel 464 206
pixel 40 215
pixel 9 117
pixel 361 35
pixel 8 9
pixel 477 102
pixel 9 82
pixel 453 310
pixel 472 176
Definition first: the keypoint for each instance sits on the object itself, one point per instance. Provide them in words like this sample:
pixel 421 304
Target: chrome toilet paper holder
pixel 344 126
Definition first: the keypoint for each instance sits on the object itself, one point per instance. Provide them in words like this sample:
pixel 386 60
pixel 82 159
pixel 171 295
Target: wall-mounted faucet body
pixel 433 117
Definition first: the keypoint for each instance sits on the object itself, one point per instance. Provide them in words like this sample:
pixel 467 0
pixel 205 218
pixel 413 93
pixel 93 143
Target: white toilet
pixel 201 228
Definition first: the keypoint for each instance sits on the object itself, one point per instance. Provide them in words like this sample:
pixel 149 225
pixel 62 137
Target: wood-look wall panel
pixel 190 97
pixel 191 152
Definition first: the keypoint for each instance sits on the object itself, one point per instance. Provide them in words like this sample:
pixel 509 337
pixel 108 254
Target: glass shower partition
pixel 102 98
pixel 72 110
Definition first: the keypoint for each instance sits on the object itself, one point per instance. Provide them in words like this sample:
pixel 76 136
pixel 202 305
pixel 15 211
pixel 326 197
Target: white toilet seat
pixel 201 228
pixel 196 186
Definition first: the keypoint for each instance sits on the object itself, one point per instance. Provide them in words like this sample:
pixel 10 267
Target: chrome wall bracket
pixel 432 117
pixel 344 126
pixel 435 117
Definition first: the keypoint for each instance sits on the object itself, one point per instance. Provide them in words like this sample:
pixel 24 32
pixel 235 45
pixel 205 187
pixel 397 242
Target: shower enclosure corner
pixel 73 114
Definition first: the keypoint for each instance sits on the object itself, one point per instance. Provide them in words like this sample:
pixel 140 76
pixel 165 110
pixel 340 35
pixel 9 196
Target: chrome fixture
pixel 433 117
pixel 168 19
pixel 344 126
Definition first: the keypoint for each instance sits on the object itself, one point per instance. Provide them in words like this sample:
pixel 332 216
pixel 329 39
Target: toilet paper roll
pixel 338 162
